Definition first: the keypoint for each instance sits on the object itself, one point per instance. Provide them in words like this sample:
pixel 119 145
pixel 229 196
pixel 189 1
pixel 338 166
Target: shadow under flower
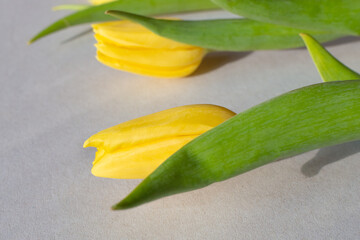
pixel 329 155
pixel 216 60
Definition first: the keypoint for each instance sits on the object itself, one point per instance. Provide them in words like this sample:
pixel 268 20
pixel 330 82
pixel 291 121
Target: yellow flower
pixel 130 47
pixel 136 148
pixel 97 2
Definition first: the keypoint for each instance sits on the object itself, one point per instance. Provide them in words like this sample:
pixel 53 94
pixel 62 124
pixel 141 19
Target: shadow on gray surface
pixel 343 40
pixel 216 60
pixel 79 35
pixel 329 155
pixel 335 42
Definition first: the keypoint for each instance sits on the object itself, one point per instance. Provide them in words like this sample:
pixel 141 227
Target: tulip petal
pixel 137 162
pixel 135 148
pixel 178 121
pixel 144 70
pixel 127 33
pixel 98 2
pixel 153 57
pixel 130 47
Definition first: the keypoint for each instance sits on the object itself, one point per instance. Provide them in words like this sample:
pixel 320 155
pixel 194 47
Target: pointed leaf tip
pixel 120 14
pixel 116 14
pixel 328 66
pixel 116 207
pixel 122 205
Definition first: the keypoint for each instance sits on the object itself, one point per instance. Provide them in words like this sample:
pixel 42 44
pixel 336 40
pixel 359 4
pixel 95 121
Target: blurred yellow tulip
pixel 134 149
pixel 97 2
pixel 130 47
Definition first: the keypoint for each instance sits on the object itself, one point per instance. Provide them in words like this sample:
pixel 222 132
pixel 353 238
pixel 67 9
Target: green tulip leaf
pixel 340 16
pixel 327 65
pixel 225 34
pixel 302 120
pixel 146 7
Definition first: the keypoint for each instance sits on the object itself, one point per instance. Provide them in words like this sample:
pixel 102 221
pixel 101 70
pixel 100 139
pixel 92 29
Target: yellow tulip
pixel 130 47
pixel 97 2
pixel 134 149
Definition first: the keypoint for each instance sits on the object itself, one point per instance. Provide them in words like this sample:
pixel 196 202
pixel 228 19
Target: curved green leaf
pixel 328 66
pixel 226 34
pixel 146 7
pixel 340 16
pixel 302 120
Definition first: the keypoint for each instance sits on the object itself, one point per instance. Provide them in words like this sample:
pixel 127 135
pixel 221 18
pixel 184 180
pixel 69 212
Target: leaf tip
pixel 118 14
pixel 305 37
pixel 111 12
pixel 118 206
pixel 33 39
pixel 55 8
pixel 114 13
pixel 330 68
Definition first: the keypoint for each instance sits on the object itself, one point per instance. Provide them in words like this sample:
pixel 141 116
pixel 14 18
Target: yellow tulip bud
pixel 134 149
pixel 130 47
pixel 97 2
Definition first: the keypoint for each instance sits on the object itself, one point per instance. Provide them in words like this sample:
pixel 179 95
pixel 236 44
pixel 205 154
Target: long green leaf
pixel 328 66
pixel 313 117
pixel 146 7
pixel 340 16
pixel 226 34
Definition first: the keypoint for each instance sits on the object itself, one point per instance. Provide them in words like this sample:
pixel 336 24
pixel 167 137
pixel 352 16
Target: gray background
pixel 54 95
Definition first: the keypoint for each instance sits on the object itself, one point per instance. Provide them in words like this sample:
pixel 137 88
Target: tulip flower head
pixel 130 47
pixel 134 149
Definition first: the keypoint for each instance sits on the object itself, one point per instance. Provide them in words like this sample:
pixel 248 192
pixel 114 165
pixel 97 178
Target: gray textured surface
pixel 54 95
